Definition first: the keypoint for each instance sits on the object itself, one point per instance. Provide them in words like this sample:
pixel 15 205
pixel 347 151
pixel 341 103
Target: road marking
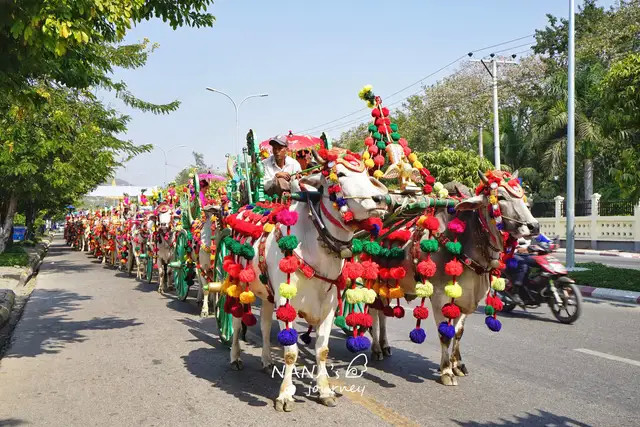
pixel 608 356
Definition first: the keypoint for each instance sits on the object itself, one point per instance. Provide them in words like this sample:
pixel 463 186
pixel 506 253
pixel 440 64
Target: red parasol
pixel 297 142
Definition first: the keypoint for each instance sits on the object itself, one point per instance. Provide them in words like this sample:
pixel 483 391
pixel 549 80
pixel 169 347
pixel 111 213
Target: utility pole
pixel 494 80
pixel 480 144
pixel 571 148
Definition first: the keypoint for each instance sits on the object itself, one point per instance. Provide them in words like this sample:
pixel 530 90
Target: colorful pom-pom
pixel 289 264
pixel 493 323
pixel 288 290
pixel 359 343
pixel 352 270
pixel 398 312
pixel 488 310
pixel 397 273
pixel 286 313
pixel 369 296
pixel 287 217
pixel 372 248
pixel 498 284
pixel 427 268
pixel 353 319
pixel 395 293
pixel 287 337
pixel 453 290
pixel 234 291
pixel 451 311
pixel 421 312
pixel 378 174
pixel 247 274
pixel 454 247
pixel 369 270
pixel 237 310
pixel 453 268
pixel 446 330
pixel 456 225
pixel 249 319
pixel 288 243
pixel 417 335
pixel 355 296
pixel 424 290
pixel 268 228
pixel 429 245
pixel 432 223
pixel 247 297
pixel 340 322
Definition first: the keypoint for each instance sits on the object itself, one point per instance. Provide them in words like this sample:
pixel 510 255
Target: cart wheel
pixel 181 276
pixel 149 266
pixel 224 319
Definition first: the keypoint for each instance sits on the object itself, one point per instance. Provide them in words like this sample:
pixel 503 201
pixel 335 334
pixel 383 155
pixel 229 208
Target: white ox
pixel 164 241
pixel 316 299
pixel 518 222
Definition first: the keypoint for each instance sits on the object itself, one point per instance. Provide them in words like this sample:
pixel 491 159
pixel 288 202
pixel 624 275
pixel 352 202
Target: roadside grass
pixel 14 255
pixel 602 276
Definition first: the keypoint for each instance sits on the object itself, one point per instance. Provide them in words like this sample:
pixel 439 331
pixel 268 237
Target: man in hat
pixel 279 169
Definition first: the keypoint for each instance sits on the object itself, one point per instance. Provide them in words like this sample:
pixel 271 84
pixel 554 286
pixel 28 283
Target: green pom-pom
pixel 373 128
pixel 377 136
pixel 340 322
pixel 288 243
pixel 236 247
pixel 372 248
pixel 396 253
pixel 384 252
pixel 394 127
pixel 264 279
pixel 247 251
pixel 454 247
pixel 228 241
pixel 488 310
pixel 381 145
pixel 356 246
pixel 395 136
pixel 429 245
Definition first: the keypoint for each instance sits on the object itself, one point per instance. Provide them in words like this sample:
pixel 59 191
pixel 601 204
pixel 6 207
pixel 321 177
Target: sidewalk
pixel 603 253
pixel 610 294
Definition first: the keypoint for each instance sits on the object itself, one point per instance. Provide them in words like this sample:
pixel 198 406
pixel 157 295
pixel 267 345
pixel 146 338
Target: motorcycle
pixel 547 282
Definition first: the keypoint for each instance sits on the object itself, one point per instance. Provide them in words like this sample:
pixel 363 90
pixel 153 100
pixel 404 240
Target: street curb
pixel 35 262
pixel 603 253
pixel 7 299
pixel 618 295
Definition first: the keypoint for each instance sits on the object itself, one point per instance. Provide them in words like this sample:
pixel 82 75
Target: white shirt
pixel 291 167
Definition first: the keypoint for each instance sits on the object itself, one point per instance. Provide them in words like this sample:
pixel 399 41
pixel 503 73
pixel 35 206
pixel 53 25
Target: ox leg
pixel 161 271
pixel 285 402
pixel 446 373
pixel 236 363
pixel 384 341
pixel 457 366
pixel 266 319
pixel 327 395
pixel 376 349
pixel 204 297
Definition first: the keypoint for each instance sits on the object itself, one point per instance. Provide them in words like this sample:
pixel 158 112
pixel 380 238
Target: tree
pixel 198 166
pixel 455 165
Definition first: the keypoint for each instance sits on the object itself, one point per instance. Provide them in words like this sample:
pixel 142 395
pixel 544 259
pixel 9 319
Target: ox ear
pixel 471 204
pixel 380 186
pixel 311 182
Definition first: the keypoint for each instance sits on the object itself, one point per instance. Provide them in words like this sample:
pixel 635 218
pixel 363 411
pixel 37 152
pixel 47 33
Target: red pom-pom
pixel 366 321
pixel 421 312
pixel 406 150
pixel 496 303
pixel 431 223
pixel 427 268
pixel 347 216
pixel 451 311
pixel 430 180
pixel 383 273
pixel 378 160
pixel 388 311
pixel 228 304
pixel 234 270
pixel 353 319
pixel 323 153
pixel 385 111
pixel 375 112
pixel 403 142
pixel 369 270
pixel 373 150
pixel 427 189
pixel 286 313
pixel 249 319
pixel 370 223
pixel 237 310
pixel 368 141
pixel 379 121
pixel 453 268
pixel 289 264
pixel 402 236
pixel 383 129
pixel 352 270
pixel 398 312
pixel 397 272
pixel 247 274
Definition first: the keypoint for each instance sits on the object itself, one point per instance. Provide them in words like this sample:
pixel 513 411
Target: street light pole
pixel 236 106
pixel 480 143
pixel 166 163
pixel 571 178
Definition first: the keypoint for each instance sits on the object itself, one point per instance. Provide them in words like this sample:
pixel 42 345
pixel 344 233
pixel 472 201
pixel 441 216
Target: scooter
pixel 547 282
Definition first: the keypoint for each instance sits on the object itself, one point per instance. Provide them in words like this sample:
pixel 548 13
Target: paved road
pixel 612 261
pixel 96 348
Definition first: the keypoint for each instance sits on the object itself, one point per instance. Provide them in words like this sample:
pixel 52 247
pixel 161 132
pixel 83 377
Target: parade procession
pixel 371 270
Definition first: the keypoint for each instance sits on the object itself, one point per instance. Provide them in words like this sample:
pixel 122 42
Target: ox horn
pixel 515 174
pixel 317 157
pixel 483 177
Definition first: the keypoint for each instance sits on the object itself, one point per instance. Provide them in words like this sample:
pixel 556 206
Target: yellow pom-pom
pixel 234 291
pixel 424 290
pixel 437 186
pixel 367 88
pixel 378 174
pixel 288 290
pixel 453 290
pixel 417 165
pixel 443 194
pixel 421 220
pixel 383 291
pixel 366 155
pixel 370 104
pixel 493 200
pixel 396 292
pixel 412 157
pixel 369 296
pixel 225 285
pixel 268 228
pixel 524 199
pixel 369 163
pixel 498 284
pixel 247 297
pixel 354 296
pixel 333 177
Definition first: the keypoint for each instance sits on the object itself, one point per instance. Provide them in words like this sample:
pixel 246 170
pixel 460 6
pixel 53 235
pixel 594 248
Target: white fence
pixel 595 231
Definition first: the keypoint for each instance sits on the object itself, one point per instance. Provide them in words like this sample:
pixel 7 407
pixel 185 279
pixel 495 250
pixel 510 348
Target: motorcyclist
pixel 525 261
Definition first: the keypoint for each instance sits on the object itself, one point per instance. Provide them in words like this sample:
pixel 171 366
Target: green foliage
pixel 455 165
pixel 14 255
pixel 602 276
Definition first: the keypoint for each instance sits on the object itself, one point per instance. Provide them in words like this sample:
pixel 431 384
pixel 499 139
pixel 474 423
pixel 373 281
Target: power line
pixel 514 47
pixel 411 85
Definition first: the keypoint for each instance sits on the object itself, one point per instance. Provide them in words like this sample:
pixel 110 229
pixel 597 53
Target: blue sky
pixel 311 57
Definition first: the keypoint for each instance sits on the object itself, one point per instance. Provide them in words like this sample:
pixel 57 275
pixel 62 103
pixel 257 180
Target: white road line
pixel 608 356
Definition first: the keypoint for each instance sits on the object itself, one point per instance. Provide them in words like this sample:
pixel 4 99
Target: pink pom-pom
pixel 407 151
pixel 427 268
pixel 247 275
pixel 456 226
pixel 373 150
pixel 403 142
pixel 368 141
pixel 287 217
pixel 453 268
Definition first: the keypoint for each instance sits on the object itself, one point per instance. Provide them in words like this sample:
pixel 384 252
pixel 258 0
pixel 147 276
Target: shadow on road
pixel 12 422
pixel 46 327
pixel 543 418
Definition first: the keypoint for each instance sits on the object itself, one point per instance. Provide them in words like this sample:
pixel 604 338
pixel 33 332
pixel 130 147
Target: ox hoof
pixel 284 405
pixel 448 380
pixel 268 368
pixel 458 372
pixel 328 401
pixel 236 365
pixel 377 355
pixel 463 368
pixel 386 351
pixel 204 314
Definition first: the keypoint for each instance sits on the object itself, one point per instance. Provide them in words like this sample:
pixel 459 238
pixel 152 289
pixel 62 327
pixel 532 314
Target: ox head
pixel 509 195
pixel 165 217
pixel 345 182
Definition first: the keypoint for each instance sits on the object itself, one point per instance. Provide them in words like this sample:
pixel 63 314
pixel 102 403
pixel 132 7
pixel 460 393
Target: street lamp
pixel 165 158
pixel 571 146
pixel 237 107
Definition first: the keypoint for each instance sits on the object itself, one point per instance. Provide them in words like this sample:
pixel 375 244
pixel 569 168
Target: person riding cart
pixel 280 170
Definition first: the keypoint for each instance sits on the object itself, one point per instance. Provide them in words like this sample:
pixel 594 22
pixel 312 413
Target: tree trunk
pixel 588 179
pixel 6 228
